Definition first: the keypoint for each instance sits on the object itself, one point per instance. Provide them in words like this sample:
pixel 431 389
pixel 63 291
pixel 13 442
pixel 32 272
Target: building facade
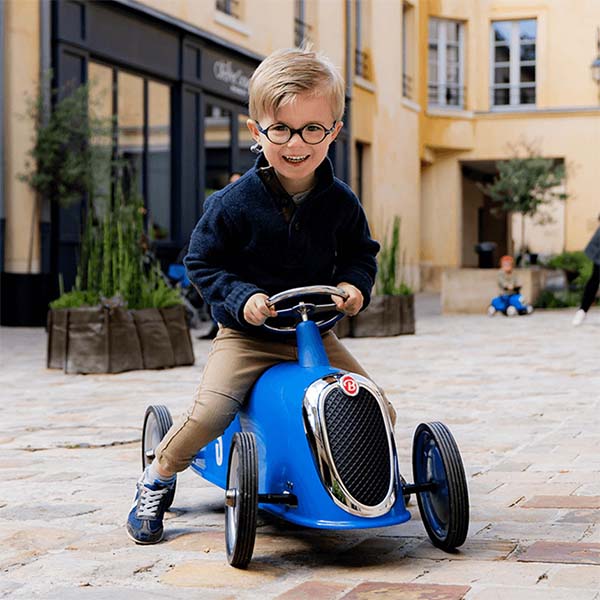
pixel 437 92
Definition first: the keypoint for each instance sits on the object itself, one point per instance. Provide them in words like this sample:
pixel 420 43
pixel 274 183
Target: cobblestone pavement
pixel 520 395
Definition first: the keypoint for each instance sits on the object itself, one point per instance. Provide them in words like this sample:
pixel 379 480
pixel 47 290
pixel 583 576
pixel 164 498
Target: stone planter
pixel 113 340
pixel 385 316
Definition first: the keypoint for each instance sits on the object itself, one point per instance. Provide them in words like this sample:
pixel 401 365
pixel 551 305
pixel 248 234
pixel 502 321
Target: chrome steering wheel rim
pixel 299 292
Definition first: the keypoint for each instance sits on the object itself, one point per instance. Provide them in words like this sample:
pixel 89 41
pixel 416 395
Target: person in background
pixel 592 251
pixel 510 302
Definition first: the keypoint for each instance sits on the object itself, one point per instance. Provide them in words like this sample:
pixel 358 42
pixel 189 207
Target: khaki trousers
pixel 235 361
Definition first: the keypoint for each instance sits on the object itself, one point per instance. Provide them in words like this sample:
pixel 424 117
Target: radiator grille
pixel 359 444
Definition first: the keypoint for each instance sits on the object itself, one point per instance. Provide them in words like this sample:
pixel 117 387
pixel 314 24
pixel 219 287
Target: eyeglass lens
pixel 312 133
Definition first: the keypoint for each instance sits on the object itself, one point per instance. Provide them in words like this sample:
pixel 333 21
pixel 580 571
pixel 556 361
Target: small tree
pixel 63 165
pixel 525 184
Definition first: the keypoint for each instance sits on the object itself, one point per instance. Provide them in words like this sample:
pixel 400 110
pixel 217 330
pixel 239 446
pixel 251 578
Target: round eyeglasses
pixel 311 133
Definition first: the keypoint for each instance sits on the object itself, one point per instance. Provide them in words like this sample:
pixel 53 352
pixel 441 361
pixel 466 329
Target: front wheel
pixel 241 500
pixel 157 421
pixel 445 508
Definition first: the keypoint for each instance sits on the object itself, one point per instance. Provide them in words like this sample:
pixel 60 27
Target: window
pixel 361 57
pixel 301 26
pixel 142 108
pixel 229 7
pixel 407 50
pixel 513 46
pixel 446 63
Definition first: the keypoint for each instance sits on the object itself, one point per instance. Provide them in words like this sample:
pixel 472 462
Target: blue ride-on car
pixel 511 304
pixel 315 446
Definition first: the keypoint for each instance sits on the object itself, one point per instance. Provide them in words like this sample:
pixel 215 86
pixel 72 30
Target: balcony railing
pixel 361 64
pixel 301 32
pixel 407 86
pixel 446 95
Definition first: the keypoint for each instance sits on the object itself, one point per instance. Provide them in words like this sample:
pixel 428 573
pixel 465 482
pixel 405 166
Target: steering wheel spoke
pixel 305 310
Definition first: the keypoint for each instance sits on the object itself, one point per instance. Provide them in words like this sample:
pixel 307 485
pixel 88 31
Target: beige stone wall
pixel 564 124
pixel 21 74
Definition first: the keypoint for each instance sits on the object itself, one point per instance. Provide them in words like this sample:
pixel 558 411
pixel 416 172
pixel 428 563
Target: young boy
pixel 510 300
pixel 287 222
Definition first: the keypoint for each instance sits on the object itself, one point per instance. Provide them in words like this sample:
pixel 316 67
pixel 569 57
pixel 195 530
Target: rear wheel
pixel 157 421
pixel 445 508
pixel 241 500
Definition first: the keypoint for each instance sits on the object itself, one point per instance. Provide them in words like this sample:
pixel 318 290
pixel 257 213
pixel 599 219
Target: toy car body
pixel 314 445
pixel 510 305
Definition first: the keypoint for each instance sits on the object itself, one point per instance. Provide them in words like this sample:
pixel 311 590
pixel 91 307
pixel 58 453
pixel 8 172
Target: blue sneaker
pixel 145 520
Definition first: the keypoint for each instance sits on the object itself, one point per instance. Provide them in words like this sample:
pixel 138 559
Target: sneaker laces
pixel 149 502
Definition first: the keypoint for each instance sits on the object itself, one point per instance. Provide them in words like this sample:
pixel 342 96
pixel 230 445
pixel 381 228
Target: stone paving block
pixel 319 590
pixel 472 549
pixel 211 574
pixel 562 502
pixel 581 516
pixel 480 572
pixel 561 552
pixel 530 532
pixel 505 592
pixel 406 591
pixel 575 577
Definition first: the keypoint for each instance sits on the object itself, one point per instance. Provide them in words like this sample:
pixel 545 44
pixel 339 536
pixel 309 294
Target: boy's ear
pixel 338 127
pixel 251 124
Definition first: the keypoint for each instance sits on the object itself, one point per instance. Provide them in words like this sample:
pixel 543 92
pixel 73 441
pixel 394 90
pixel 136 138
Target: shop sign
pixel 226 75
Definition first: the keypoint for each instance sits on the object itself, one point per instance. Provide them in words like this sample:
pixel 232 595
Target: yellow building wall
pixel 575 138
pixel 391 126
pixel 21 76
pixel 565 123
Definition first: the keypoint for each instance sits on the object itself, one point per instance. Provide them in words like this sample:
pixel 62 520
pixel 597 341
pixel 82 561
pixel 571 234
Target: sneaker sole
pixel 160 539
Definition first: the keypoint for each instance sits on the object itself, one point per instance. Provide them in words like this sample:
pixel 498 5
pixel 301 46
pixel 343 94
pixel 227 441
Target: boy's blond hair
pixel 286 73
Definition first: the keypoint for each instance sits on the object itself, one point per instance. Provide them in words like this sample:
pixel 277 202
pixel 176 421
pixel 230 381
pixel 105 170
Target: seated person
pixel 510 301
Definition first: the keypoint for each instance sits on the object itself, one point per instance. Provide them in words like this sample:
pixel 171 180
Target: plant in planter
pixel 121 313
pixel 391 311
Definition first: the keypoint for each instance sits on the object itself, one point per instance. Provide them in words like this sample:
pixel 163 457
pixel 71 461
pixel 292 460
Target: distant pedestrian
pixel 592 251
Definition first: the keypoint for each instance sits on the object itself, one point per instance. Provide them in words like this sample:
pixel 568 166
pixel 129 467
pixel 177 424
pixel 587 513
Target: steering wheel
pixel 304 311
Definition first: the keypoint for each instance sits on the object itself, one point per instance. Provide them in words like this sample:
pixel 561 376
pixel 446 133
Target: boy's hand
pixel 353 303
pixel 257 311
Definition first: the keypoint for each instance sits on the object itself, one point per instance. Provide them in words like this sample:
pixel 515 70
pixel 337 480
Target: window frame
pixel 441 84
pixel 514 66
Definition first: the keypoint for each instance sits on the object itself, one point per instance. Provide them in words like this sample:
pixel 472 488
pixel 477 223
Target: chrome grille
pixel 358 443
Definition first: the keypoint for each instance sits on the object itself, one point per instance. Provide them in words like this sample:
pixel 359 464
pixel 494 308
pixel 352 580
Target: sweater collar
pixel 266 173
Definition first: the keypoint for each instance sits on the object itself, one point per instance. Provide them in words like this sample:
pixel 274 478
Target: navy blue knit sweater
pixel 246 242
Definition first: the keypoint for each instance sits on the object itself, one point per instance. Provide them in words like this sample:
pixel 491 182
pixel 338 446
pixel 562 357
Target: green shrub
pixel 575 263
pixel 389 281
pixel 560 299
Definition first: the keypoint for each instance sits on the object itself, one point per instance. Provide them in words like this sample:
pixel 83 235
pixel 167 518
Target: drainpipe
pixel 2 218
pixel 45 84
pixel 348 116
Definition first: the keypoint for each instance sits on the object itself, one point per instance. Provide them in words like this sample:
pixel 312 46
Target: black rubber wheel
pixel 157 421
pixel 445 509
pixel 241 500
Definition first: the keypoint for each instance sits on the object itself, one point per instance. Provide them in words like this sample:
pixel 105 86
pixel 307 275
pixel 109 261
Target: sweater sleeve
pixel 210 261
pixel 356 253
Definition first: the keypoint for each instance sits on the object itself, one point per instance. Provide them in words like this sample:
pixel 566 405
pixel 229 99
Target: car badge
pixel 349 385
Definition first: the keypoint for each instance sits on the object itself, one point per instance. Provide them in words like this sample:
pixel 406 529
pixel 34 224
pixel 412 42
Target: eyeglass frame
pixel 293 132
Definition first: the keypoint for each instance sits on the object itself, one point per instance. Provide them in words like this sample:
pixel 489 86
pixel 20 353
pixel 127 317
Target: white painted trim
pixel 365 84
pixel 451 111
pixel 231 23
pixel 411 105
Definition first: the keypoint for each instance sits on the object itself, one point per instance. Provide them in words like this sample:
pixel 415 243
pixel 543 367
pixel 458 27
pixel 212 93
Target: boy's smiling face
pixel 295 161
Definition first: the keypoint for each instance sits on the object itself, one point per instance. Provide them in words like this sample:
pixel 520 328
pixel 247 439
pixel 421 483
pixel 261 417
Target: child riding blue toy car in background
pixel 510 302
